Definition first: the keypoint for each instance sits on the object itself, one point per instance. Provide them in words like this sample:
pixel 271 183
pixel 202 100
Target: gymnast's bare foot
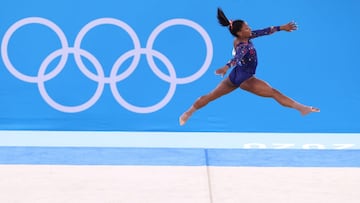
pixel 309 109
pixel 183 118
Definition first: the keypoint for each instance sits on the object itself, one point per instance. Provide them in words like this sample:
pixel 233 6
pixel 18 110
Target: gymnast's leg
pixel 225 87
pixel 261 88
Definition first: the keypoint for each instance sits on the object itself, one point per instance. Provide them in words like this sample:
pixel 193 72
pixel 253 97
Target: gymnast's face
pixel 245 31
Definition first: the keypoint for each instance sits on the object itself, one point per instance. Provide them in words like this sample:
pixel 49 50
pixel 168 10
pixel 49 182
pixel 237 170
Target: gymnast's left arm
pixel 289 27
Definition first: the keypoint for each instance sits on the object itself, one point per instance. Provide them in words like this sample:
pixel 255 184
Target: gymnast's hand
pixel 289 27
pixel 222 71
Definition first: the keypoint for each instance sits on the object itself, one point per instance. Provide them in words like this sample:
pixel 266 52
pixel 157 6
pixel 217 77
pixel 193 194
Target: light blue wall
pixel 316 65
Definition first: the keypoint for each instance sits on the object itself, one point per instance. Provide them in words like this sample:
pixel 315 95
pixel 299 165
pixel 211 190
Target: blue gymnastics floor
pixel 179 157
pixel 180 149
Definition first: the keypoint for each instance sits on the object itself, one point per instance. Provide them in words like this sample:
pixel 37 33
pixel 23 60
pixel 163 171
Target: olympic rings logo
pixel 100 78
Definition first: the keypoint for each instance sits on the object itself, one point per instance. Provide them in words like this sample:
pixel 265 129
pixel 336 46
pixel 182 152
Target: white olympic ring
pixel 100 77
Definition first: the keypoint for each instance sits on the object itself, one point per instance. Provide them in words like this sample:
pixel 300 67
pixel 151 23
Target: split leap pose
pixel 243 70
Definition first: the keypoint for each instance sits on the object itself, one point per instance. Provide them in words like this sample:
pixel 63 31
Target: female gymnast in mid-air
pixel 244 65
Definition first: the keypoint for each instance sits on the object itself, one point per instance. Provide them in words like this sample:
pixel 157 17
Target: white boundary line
pixel 226 140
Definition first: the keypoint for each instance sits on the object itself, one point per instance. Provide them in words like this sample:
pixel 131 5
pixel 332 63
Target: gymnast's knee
pixel 271 92
pixel 202 101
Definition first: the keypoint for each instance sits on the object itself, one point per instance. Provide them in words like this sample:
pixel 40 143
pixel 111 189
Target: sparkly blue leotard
pixel 245 58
